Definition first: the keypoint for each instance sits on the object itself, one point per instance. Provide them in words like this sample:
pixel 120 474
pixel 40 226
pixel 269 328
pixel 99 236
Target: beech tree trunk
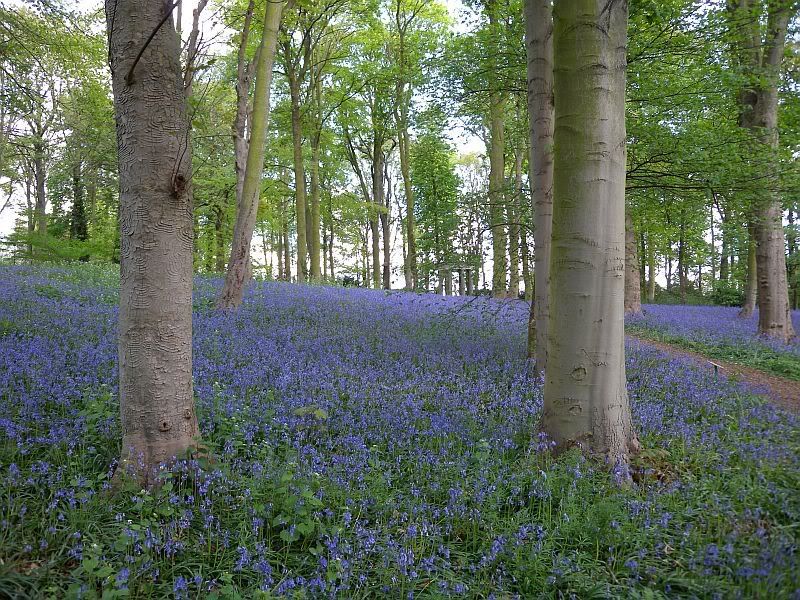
pixel 316 272
pixel 497 104
pixel 287 249
pixel 633 287
pixel 513 212
pixel 239 268
pixel 376 250
pixel 585 395
pixel 651 273
pixel 299 176
pixel 539 44
pixel 761 55
pixel 751 283
pixel 314 225
pixel 402 102
pixel 78 226
pixel 40 176
pixel 30 214
pixel 219 234
pixel 792 267
pixel 682 261
pixel 155 179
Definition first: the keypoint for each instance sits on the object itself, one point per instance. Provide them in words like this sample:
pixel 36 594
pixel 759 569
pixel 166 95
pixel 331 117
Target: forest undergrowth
pixel 373 444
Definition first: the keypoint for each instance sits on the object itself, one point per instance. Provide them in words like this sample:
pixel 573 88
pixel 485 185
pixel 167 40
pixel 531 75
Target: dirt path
pixel 783 392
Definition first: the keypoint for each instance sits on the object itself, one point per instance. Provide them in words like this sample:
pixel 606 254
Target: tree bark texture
pixel 155 171
pixel 40 175
pixel 633 287
pixel 513 212
pixel 539 44
pixel 497 212
pixel 651 271
pixel 299 174
pixel 758 103
pixel 585 395
pixel 78 225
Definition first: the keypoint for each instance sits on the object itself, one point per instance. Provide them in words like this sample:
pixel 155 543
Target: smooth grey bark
pixel 513 212
pixel 287 249
pixel 751 284
pixel 651 271
pixel 539 45
pixel 299 170
pixel 239 266
pixel 155 181
pixel 314 224
pixel 633 287
pixel 401 108
pixel 526 266
pixel 29 205
pixel 585 395
pixel 386 233
pixel 497 104
pixel 682 266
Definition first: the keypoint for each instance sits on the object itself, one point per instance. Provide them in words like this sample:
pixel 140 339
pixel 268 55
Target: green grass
pixel 757 357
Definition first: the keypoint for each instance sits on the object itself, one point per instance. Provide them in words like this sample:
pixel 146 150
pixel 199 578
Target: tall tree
pixel 633 284
pixel 760 51
pixel 155 177
pixel 539 44
pixel 238 272
pixel 497 107
pixel 585 395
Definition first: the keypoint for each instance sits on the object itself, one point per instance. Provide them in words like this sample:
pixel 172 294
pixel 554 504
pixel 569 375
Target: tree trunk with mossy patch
pixel 239 267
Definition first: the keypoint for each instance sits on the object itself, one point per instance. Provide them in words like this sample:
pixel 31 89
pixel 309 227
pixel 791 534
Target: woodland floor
pixel 783 392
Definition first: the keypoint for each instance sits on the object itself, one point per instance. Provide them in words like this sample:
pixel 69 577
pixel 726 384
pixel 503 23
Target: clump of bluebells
pixel 719 332
pixel 373 444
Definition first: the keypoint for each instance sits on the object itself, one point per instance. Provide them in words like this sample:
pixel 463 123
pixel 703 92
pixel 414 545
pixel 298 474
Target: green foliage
pixel 725 294
pixel 435 185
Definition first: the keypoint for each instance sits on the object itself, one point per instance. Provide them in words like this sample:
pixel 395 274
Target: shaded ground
pixel 783 392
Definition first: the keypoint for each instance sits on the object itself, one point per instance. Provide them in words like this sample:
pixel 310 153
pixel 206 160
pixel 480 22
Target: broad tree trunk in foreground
pixel 585 397
pixel 155 170
pixel 633 286
pixel 539 44
pixel 238 273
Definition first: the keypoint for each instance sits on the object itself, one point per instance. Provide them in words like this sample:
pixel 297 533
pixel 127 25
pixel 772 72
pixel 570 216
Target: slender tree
pixel 633 282
pixel 239 270
pixel 155 171
pixel 585 395
pixel 497 106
